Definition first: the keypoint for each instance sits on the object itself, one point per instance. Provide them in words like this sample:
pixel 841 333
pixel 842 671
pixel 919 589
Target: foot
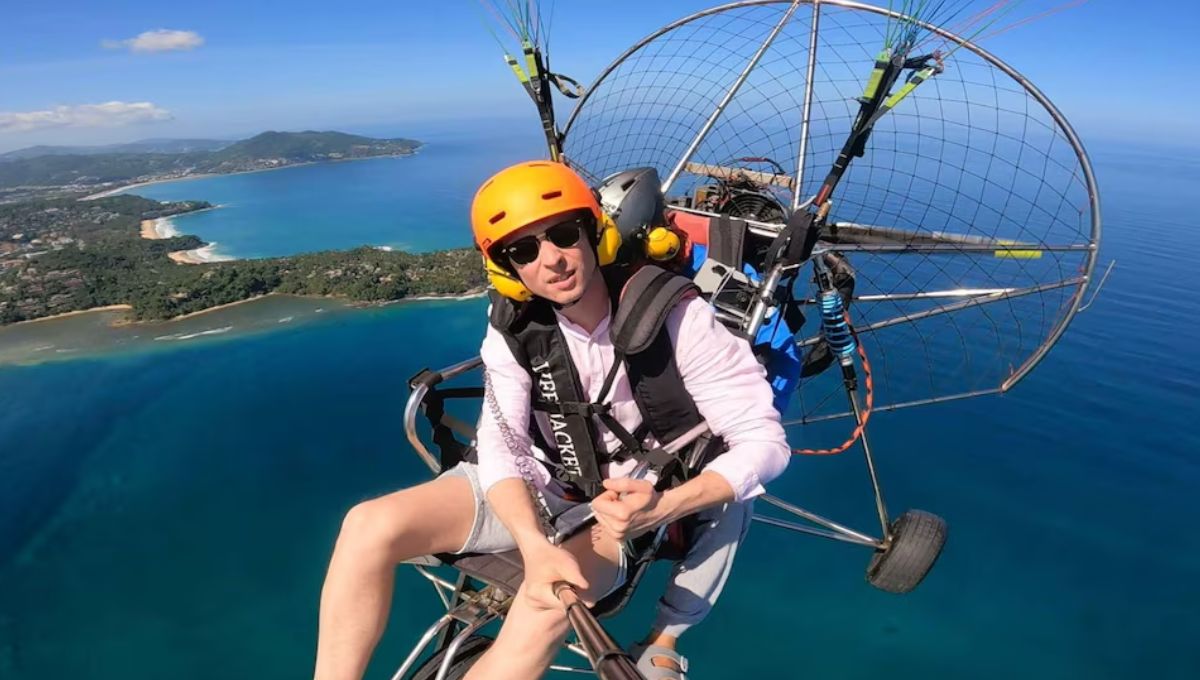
pixel 657 662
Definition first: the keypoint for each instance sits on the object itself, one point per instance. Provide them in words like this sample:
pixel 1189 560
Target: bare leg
pixel 530 637
pixel 377 535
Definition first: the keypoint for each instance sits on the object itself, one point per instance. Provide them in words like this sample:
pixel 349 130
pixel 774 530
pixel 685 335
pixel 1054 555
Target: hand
pixel 628 507
pixel 545 565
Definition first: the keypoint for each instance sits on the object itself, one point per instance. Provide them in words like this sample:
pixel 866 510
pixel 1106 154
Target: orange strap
pixel 858 430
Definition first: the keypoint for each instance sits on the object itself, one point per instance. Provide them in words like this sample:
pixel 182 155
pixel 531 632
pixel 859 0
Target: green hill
pixel 63 170
pixel 264 151
pixel 310 145
pixel 166 146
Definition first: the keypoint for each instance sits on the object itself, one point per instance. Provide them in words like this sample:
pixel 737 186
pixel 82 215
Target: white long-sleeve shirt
pixel 718 369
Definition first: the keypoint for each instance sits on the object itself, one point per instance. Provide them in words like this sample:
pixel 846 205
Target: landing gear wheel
pixel 472 648
pixel 917 539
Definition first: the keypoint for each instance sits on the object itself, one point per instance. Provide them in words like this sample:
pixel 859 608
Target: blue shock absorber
pixel 834 327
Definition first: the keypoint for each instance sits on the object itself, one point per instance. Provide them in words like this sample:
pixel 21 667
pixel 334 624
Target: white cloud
pixel 108 114
pixel 161 40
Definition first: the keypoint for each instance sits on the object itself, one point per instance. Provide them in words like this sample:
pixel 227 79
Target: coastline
pixel 470 295
pixel 227 305
pixel 164 228
pixel 77 312
pixel 202 255
pixel 158 229
pixel 204 175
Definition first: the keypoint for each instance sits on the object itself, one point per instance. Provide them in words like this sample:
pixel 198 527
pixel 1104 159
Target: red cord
pixel 858 430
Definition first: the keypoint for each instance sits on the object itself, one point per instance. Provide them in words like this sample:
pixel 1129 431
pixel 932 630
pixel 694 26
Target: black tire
pixel 917 540
pixel 472 648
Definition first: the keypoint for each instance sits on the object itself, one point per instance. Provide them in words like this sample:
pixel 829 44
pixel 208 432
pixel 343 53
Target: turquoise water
pixel 169 513
pixel 404 203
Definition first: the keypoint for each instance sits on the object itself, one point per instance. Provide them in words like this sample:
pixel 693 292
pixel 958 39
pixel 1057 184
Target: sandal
pixel 645 656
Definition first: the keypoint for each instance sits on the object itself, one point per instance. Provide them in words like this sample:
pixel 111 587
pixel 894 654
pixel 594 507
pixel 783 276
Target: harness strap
pixel 641 343
pixel 625 453
pixel 647 299
pixel 572 408
pixel 444 425
pixel 628 442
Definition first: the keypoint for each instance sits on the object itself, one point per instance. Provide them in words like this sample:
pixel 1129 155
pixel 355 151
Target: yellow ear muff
pixel 505 283
pixel 662 244
pixel 608 241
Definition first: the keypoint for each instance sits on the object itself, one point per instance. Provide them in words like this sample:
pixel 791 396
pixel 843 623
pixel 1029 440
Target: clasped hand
pixel 628 507
pixel 547 565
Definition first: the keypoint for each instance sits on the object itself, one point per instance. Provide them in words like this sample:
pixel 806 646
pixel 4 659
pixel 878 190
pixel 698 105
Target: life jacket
pixel 641 342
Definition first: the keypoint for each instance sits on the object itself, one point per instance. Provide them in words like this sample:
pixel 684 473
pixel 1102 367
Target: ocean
pixel 169 495
pixel 404 203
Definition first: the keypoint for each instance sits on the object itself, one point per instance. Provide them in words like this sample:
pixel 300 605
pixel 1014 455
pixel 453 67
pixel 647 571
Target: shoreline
pixel 164 228
pixel 159 229
pixel 227 305
pixel 77 312
pixel 203 255
pixel 205 175
pixel 470 295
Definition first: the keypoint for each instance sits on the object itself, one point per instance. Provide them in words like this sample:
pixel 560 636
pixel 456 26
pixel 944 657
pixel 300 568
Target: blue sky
pixel 1118 70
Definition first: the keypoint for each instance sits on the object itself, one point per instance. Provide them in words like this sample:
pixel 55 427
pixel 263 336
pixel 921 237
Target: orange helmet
pixel 526 193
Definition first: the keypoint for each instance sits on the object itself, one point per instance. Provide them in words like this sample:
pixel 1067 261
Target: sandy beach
pixel 202 255
pixel 470 295
pixel 159 229
pixel 77 312
pixel 127 187
pixel 164 227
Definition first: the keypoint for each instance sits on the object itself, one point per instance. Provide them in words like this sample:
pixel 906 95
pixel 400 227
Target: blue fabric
pixel 782 358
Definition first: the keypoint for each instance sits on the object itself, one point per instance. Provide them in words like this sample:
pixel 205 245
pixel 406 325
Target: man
pixel 544 239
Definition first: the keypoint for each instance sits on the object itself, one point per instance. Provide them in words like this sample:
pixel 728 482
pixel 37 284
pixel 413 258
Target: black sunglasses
pixel 526 249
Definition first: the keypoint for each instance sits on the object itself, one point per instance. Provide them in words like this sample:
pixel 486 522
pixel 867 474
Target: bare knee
pixel 376 531
pixel 531 631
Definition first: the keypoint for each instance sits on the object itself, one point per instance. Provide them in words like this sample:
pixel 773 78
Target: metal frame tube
pixel 765 298
pixel 932 294
pixel 853 230
pixel 805 116
pixel 946 309
pixel 733 90
pixel 812 531
pixel 895 407
pixel 798 511
pixel 880 506
pixel 442 622
pixel 413 407
pixel 440 585
pixel 952 248
pixel 452 649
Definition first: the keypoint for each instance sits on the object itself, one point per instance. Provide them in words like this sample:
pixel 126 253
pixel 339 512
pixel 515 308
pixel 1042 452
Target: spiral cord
pixel 524 458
